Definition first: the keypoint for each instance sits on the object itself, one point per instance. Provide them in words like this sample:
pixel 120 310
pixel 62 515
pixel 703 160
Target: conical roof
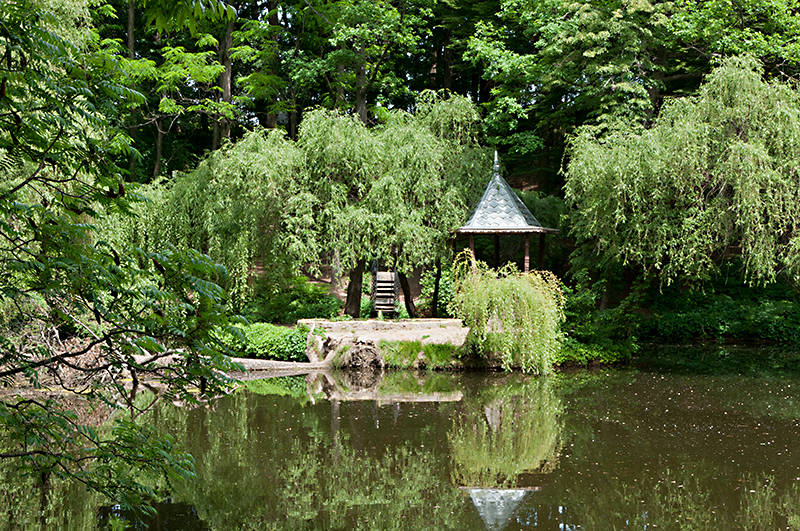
pixel 501 210
pixel 496 506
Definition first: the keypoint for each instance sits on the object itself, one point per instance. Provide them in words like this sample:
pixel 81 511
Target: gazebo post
pixel 497 250
pixel 527 263
pixel 541 250
pixel 472 247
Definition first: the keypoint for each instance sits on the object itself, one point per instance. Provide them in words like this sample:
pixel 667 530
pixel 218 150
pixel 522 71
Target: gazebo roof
pixel 500 210
pixel 496 506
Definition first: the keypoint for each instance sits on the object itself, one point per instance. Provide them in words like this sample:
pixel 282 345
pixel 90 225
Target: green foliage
pixel 766 29
pixel 446 291
pixel 400 310
pixel 717 174
pixel 294 386
pixel 297 299
pixel 402 382
pixel 675 318
pixel 594 335
pixel 267 341
pixel 515 316
pixel 574 352
pixel 367 306
pixel 400 353
pixel 185 13
pixel 242 205
pixel 440 354
pixel 516 431
pixel 560 62
pixel 77 293
pixel 396 190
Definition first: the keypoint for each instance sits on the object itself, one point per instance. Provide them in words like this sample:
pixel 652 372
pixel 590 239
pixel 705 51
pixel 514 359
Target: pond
pixel 713 445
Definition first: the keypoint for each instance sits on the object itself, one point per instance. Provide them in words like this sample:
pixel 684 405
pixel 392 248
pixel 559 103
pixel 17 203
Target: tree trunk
pixel 159 144
pixel 131 55
pixel 131 19
pixel 271 120
pixel 361 92
pixel 44 494
pixel 447 68
pixel 293 119
pixel 444 60
pixel 436 280
pixel 407 298
pixel 339 80
pixel 352 305
pixel 225 78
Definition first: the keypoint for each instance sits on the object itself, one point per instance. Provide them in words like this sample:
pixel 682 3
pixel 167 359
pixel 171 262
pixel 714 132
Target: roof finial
pixel 496 169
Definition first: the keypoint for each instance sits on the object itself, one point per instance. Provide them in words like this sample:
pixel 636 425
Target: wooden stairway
pixel 384 293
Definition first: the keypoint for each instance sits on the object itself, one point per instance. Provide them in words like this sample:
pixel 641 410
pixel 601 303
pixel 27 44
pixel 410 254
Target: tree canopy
pixel 717 175
pixel 393 192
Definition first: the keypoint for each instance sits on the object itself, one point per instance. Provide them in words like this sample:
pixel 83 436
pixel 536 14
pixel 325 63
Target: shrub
pixel 400 310
pixel 400 353
pixel 516 316
pixel 777 321
pixel 575 352
pixel 446 291
pixel 299 299
pixel 367 305
pixel 267 341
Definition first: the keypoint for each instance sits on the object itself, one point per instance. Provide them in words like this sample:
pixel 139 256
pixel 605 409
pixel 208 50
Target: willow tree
pixel 717 175
pixel 242 206
pixel 396 191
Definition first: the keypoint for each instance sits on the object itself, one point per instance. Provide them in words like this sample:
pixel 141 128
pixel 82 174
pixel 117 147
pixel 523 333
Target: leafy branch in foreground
pixel 87 324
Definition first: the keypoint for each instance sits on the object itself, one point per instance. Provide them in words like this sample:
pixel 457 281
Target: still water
pixel 712 446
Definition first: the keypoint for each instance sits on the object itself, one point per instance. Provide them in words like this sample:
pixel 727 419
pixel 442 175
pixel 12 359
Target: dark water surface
pixel 639 448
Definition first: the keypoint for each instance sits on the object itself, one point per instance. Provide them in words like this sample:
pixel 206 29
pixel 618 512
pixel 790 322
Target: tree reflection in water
pixel 507 431
pixel 589 451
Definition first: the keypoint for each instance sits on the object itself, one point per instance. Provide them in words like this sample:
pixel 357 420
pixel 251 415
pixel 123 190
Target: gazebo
pixel 501 211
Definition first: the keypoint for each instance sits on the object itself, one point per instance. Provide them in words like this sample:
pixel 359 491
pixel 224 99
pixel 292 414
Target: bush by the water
pixel 730 316
pixel 515 316
pixel 267 341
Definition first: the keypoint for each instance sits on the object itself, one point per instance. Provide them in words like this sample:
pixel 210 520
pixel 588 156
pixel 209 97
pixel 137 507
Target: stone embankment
pixel 357 344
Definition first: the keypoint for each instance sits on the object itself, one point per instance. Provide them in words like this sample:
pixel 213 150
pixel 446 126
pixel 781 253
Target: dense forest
pixel 173 172
pixel 545 83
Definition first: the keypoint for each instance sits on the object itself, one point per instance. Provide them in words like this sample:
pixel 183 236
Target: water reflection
pixel 30 503
pixel 510 429
pixel 586 450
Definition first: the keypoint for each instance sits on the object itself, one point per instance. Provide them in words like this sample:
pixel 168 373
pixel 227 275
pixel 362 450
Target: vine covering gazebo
pixel 501 211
